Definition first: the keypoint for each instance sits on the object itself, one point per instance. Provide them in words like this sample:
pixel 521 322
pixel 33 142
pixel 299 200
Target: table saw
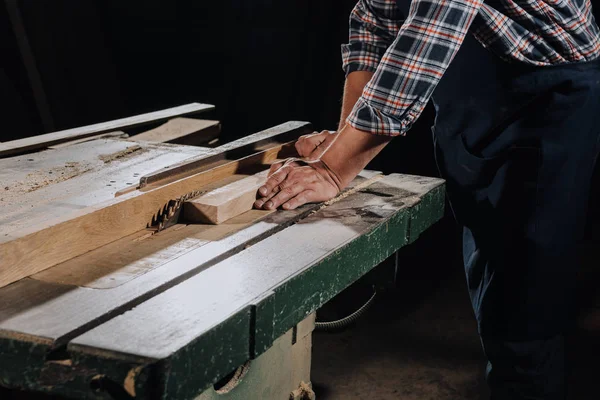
pixel 108 294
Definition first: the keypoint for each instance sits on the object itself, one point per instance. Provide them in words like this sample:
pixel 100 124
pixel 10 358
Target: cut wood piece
pixel 188 131
pixel 43 141
pixel 226 202
pixel 35 248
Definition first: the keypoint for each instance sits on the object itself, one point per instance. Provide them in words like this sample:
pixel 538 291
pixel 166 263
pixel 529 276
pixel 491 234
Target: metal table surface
pixel 173 326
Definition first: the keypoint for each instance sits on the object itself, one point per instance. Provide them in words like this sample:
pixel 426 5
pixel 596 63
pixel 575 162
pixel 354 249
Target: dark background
pixel 260 62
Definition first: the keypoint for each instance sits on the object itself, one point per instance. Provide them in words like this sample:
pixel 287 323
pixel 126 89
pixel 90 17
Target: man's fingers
pixel 273 181
pixel 299 200
pixel 287 182
pixel 275 167
pixel 284 195
pixel 308 143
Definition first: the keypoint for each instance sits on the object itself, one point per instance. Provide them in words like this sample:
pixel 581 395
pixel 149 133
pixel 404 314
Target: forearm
pixel 355 83
pixel 350 152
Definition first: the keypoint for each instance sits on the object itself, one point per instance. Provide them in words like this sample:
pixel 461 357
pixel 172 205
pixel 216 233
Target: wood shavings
pixel 119 154
pixel 41 178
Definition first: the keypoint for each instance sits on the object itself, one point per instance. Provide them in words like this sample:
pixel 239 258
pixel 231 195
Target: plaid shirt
pixel 410 57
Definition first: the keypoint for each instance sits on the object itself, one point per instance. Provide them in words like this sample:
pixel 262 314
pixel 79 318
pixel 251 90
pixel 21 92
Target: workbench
pixel 168 315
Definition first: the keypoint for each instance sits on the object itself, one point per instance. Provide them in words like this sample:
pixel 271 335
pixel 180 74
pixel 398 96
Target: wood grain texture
pixel 43 141
pixel 40 187
pixel 110 135
pixel 130 257
pixel 35 248
pixel 188 131
pixel 226 202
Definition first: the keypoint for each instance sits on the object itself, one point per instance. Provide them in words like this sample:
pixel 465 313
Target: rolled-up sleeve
pixel 412 65
pixel 374 25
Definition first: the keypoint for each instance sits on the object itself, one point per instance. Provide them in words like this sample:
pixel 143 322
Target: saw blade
pixel 169 214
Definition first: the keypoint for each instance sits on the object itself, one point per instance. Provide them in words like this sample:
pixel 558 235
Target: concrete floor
pixel 419 341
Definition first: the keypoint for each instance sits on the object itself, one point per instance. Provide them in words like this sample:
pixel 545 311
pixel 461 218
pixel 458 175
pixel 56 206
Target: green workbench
pixel 175 330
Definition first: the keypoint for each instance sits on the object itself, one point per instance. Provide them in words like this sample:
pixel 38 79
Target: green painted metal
pixel 306 292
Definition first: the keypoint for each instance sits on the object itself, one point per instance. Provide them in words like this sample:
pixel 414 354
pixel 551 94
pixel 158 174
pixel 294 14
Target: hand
pixel 294 183
pixel 312 146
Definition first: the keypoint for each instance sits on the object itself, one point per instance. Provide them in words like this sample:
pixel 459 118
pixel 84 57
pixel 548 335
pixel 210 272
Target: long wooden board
pixel 188 131
pixel 48 139
pixel 51 184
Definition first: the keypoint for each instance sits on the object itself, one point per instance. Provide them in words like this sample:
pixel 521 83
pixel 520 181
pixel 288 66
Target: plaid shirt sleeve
pixel 409 69
pixel 374 25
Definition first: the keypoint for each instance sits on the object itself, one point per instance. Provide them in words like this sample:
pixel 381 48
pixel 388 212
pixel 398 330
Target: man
pixel 516 87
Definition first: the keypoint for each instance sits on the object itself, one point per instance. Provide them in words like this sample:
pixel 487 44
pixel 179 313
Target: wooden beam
pixel 43 141
pixel 35 248
pixel 189 131
pixel 224 203
pixel 110 135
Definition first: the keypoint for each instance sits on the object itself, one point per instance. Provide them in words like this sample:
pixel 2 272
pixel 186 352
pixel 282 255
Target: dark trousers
pixel 517 146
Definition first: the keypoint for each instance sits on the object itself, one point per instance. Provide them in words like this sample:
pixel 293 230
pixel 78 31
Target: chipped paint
pixel 129 383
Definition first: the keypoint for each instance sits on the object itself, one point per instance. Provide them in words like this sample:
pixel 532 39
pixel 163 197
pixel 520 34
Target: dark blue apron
pixel 517 146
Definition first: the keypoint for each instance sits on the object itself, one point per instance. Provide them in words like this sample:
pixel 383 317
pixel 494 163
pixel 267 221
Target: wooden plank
pixel 43 141
pixel 110 135
pixel 124 260
pixel 224 203
pixel 188 131
pixel 52 184
pixel 283 278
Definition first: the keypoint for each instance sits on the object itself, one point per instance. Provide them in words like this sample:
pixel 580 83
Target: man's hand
pixel 312 146
pixel 295 183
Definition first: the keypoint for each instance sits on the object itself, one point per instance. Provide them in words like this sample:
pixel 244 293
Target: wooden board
pixel 226 202
pixel 43 141
pixel 51 184
pixel 124 260
pixel 110 135
pixel 188 131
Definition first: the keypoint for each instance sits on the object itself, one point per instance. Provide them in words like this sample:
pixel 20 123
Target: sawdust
pixel 42 178
pixel 348 192
pixel 107 158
